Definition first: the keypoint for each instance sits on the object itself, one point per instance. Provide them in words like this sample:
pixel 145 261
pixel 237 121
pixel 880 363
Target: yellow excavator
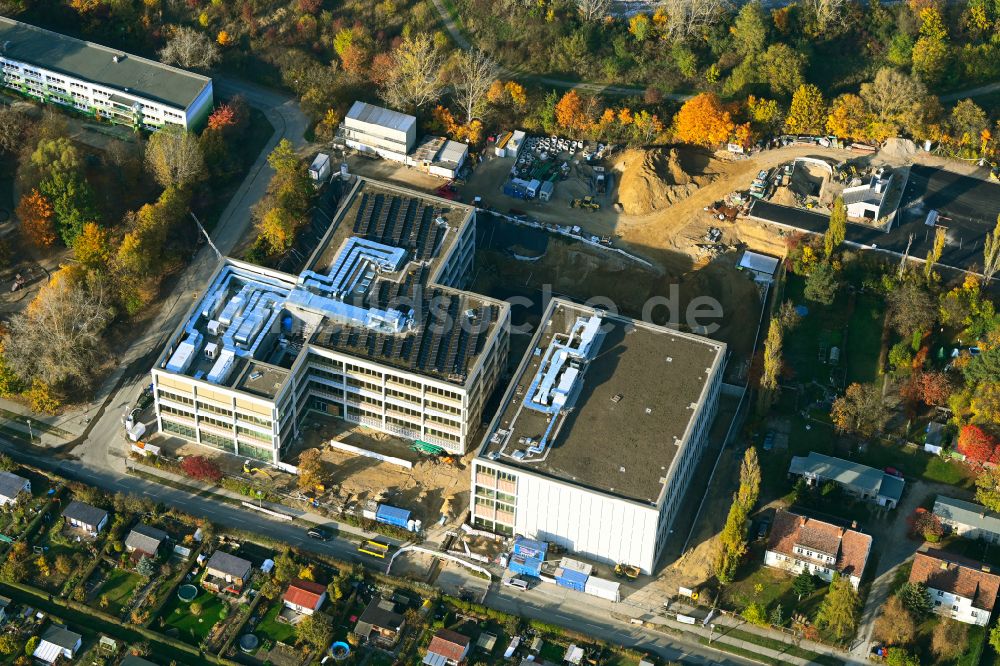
pixel 629 571
pixel 587 203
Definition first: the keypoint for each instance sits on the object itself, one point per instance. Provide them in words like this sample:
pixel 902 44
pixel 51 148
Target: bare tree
pixel 174 157
pixel 892 94
pixel 826 11
pixel 414 78
pixel 58 338
pixel 475 74
pixel 593 10
pixel 991 252
pixel 14 126
pixel 685 18
pixel 189 48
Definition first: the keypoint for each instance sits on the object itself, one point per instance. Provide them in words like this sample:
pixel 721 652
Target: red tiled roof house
pixel 447 648
pixel 961 589
pixel 304 596
pixel 798 544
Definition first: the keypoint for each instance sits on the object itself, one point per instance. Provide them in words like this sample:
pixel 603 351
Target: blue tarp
pixel 392 515
pixel 530 548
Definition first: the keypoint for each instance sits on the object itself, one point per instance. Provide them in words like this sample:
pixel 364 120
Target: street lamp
pixel 31 434
pixel 711 632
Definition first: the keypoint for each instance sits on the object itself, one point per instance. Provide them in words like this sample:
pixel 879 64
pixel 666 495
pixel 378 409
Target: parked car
pixel 892 471
pixel 763 526
pixel 519 582
pixel 769 440
pixel 319 533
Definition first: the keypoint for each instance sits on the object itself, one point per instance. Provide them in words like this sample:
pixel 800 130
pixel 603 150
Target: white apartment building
pixel 99 81
pixel 374 129
pixel 376 331
pixel 597 437
pixel 798 544
pixel 960 589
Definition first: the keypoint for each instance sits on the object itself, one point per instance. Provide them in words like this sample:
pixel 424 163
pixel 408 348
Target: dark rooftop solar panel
pixel 363 211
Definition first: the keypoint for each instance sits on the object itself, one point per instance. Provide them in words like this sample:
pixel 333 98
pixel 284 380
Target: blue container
pixel 525 566
pixel 392 515
pixel 573 580
pixel 530 548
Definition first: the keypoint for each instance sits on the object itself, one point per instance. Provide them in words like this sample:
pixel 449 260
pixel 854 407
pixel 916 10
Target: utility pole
pixel 902 261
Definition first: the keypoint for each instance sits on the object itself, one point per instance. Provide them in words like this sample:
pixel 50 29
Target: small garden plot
pixel 192 622
pixel 273 629
pixel 771 588
pixel 116 591
pixel 63 559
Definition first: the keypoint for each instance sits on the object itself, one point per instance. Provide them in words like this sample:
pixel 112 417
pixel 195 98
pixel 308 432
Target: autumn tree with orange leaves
pixel 37 220
pixel 703 120
pixel 574 113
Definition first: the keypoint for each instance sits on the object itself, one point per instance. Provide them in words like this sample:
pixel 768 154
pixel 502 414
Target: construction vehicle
pixel 626 571
pixel 421 446
pixel 587 203
pixel 250 471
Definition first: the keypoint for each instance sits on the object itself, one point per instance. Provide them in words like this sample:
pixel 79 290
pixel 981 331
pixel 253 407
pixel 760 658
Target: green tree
pixel 772 366
pixel 777 616
pixel 807 113
pixel 174 157
pixel 861 410
pixel 72 202
pixel 783 69
pixel 839 611
pixel 32 645
pixel 804 585
pixel 988 488
pixel 934 255
pixel 991 252
pixel 316 630
pixel 750 29
pixel 146 567
pixel 916 598
pixel 749 491
pixel 755 613
pixel 837 230
pixel 822 284
pixel 899 657
pixel 931 52
pixel 285 567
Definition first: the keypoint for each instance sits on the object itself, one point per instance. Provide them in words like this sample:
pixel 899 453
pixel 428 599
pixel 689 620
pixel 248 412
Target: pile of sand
pixel 660 177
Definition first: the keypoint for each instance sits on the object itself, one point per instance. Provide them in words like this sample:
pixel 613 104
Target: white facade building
pixel 972 521
pixel 598 435
pixel 384 132
pixel 376 331
pixel 100 81
pixel 960 589
pixel 798 544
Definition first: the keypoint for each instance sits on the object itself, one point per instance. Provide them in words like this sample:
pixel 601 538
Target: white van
pixel 516 581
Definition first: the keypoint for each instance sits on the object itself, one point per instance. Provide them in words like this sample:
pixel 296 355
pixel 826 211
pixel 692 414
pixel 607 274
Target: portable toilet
pixel 532 188
pixel 545 191
pixel 319 170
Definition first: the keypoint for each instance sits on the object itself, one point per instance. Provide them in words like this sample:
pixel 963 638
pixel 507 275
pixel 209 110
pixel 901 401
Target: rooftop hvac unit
pixel 213 327
pixel 211 350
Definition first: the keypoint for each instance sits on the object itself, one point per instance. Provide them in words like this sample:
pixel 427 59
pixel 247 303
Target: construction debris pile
pixel 657 178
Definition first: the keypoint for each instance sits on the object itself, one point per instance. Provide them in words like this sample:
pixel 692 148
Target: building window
pixel 184 431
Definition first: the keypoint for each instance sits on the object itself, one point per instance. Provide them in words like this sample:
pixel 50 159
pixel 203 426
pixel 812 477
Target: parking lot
pixel 967 208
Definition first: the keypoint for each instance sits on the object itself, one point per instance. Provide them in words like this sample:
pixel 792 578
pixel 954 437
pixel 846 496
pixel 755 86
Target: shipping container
pixel 392 515
pixel 605 589
pixel 525 566
pixel 571 579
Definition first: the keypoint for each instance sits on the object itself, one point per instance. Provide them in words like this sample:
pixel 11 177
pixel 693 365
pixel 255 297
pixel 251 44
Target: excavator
pixel 587 203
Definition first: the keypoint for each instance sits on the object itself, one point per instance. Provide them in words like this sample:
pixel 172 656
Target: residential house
pixel 57 642
pixel 961 589
pixel 11 486
pixel 859 480
pixel 447 648
pixel 144 540
pixel 304 596
pixel 226 573
pixel 85 517
pixel 798 544
pixel 380 623
pixel 972 521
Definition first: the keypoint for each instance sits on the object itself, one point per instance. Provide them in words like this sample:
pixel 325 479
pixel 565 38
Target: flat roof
pixel 634 400
pixel 381 116
pixel 94 63
pixel 451 327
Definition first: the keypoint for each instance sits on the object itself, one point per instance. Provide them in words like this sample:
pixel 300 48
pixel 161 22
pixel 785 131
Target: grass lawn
pixel 775 587
pixel 807 346
pixel 118 589
pixel 270 627
pixel 190 628
pixel 552 652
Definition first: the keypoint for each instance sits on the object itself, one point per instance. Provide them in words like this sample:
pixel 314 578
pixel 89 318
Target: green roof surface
pixel 94 63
